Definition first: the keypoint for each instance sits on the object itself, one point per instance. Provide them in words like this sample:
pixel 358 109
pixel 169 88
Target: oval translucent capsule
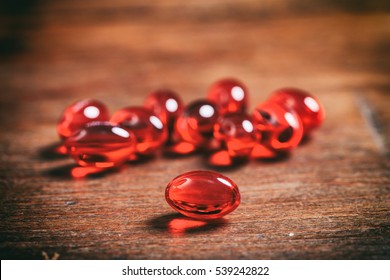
pixel 237 133
pixel 203 195
pixel 165 104
pixel 78 114
pixel 308 108
pixel 101 145
pixel 229 95
pixel 148 129
pixel 281 129
pixel 196 124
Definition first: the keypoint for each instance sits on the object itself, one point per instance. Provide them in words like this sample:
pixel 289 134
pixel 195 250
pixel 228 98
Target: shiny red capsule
pixel 101 145
pixel 196 124
pixel 230 96
pixel 80 113
pixel 165 104
pixel 308 108
pixel 203 195
pixel 148 129
pixel 236 131
pixel 281 129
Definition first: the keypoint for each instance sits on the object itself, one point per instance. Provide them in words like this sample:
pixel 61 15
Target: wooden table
pixel 329 200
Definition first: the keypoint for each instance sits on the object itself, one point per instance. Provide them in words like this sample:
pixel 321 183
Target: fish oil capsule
pixel 281 129
pixel 308 108
pixel 148 129
pixel 230 96
pixel 101 145
pixel 78 114
pixel 202 195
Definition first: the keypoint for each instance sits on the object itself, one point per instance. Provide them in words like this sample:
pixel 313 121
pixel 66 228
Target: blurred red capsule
pixel 196 124
pixel 101 145
pixel 229 95
pixel 78 114
pixel 281 129
pixel 237 132
pixel 165 104
pixel 148 129
pixel 308 108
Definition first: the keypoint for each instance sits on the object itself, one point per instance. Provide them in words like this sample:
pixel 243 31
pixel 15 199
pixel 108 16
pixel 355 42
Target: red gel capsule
pixel 308 108
pixel 280 128
pixel 165 104
pixel 101 145
pixel 79 114
pixel 230 96
pixel 196 124
pixel 237 133
pixel 203 195
pixel 148 129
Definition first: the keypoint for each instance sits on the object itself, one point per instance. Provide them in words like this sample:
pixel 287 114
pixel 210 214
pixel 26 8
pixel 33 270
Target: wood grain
pixel 329 200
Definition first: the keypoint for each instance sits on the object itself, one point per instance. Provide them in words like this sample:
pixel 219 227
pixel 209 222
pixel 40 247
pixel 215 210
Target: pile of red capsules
pixel 218 126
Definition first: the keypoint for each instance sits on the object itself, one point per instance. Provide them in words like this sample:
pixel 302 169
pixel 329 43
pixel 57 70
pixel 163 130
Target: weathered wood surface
pixel 329 200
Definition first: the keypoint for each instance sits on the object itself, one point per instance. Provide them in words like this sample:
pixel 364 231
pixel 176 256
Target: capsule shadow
pixel 279 157
pixel 305 140
pixel 141 159
pixel 178 225
pixel 52 152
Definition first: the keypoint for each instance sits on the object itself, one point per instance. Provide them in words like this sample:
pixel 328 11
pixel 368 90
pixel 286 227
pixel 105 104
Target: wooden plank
pixel 329 200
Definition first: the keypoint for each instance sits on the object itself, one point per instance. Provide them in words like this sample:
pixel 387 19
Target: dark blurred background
pixel 69 50
pixel 330 199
